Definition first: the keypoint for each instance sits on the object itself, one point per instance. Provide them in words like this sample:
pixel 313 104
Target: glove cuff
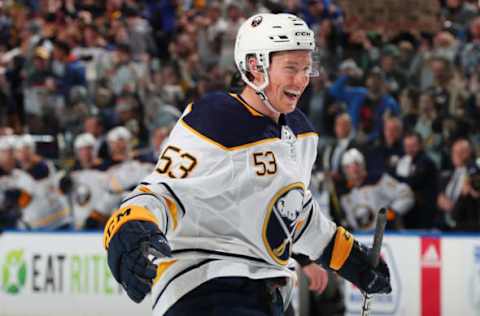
pixel 339 249
pixel 124 215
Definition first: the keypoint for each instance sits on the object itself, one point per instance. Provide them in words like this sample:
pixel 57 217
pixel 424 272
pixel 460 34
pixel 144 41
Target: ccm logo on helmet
pixel 302 33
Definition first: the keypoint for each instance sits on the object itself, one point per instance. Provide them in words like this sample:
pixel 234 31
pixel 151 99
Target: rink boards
pixel 67 274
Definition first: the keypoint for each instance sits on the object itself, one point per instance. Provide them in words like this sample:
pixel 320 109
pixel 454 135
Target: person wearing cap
pixel 395 79
pixel 368 193
pixel 49 209
pixel 16 186
pixel 212 229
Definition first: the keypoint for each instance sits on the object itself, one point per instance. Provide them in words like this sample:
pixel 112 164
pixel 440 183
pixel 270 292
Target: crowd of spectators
pixel 73 72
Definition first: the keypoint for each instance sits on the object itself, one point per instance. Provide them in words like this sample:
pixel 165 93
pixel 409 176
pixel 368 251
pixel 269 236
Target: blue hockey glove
pixel 131 249
pixel 350 259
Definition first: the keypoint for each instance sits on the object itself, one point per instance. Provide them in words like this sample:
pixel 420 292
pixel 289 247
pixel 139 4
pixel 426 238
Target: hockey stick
pixel 375 253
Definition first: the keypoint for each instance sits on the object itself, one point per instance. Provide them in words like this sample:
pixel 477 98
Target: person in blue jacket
pixel 367 106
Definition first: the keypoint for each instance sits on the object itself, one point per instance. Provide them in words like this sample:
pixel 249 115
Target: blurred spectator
pixel 448 91
pixel 470 54
pixel 417 170
pixel 123 74
pixel 445 46
pixel 158 139
pixel 368 105
pixel 429 126
pixel 331 156
pixel 228 35
pixel 328 48
pixel 16 186
pixel 94 126
pixel 67 69
pixel 334 181
pixel 209 34
pixel 370 193
pixel 317 94
pixel 123 172
pixel 320 10
pixel 358 46
pixel 129 114
pixel 394 79
pixel 139 32
pixel 408 100
pixel 92 51
pixel 460 196
pixel 48 209
pixel 85 187
pixel 383 156
pixel 456 14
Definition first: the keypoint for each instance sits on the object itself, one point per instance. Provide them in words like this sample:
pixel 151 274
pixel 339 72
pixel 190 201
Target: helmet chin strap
pixel 260 90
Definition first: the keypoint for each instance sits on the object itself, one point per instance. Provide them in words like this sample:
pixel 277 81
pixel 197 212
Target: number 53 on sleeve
pixel 175 163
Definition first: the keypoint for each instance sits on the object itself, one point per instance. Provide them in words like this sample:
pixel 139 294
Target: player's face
pixel 7 159
pixel 85 154
pixel 289 75
pixel 355 173
pixel 118 147
pixel 24 154
pixel 411 146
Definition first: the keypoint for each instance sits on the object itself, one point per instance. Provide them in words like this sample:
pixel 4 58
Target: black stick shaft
pixel 378 237
pixel 375 254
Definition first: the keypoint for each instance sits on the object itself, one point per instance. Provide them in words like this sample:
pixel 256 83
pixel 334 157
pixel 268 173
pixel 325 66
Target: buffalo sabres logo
pixel 82 194
pixel 364 216
pixel 257 20
pixel 283 213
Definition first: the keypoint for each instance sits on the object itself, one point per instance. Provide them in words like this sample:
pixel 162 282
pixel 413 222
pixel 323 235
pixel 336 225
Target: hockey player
pixel 368 194
pixel 227 203
pixel 86 186
pixel 123 171
pixel 16 186
pixel 48 209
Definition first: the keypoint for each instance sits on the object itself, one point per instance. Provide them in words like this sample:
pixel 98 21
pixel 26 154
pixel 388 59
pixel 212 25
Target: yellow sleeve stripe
pixel 123 215
pixel 144 189
pixel 172 210
pixel 341 249
pixel 162 267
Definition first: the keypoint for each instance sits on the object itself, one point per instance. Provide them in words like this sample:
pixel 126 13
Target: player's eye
pixel 291 69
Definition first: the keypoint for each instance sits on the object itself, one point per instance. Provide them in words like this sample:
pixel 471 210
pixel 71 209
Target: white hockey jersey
pixel 16 179
pixel 49 208
pixel 362 204
pixel 124 176
pixel 90 193
pixel 239 181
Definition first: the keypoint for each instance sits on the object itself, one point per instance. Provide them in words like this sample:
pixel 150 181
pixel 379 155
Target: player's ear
pixel 254 69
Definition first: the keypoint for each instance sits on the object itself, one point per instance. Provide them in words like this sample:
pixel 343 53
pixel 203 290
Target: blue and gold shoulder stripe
pixel 230 123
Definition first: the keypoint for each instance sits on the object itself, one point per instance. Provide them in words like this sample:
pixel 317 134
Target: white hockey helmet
pixel 117 133
pixel 84 140
pixel 353 155
pixel 25 141
pixel 266 33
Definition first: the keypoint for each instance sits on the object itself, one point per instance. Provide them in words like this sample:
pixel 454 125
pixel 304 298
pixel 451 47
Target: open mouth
pixel 291 95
